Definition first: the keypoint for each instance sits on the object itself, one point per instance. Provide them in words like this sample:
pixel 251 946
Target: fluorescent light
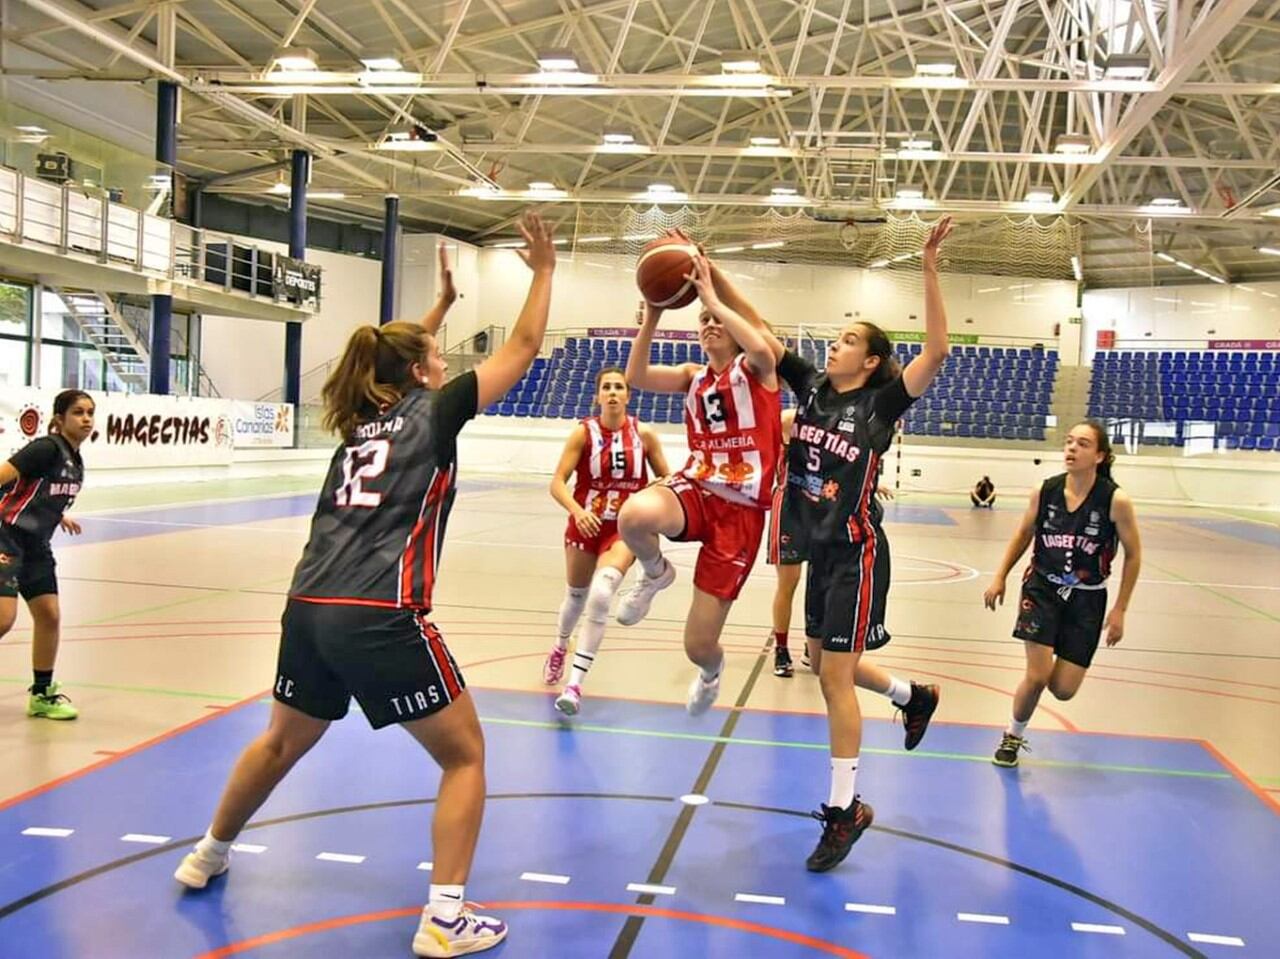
pixel 771 245
pixel 765 141
pixel 661 188
pixel 482 191
pixel 729 249
pixel 402 77
pixel 159 181
pixel 740 61
pixel 1039 195
pixel 1167 258
pixel 1271 250
pixel 296 60
pixel 32 129
pixel 991 289
pixel 904 256
pixel 595 239
pixel 541 185
pixel 1184 265
pixel 917 143
pixel 280 188
pixel 1074 143
pixel 617 136
pixel 1127 66
pixel 783 191
pixel 1165 201
pixel 910 193
pixel 325 195
pixel 382 63
pixel 1075 268
pixel 877 264
pixel 557 61
pixel 1274 211
pixel 930 67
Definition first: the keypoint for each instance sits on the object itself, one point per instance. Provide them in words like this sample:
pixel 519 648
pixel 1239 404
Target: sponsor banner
pixel 1244 344
pixel 130 430
pixel 261 424
pixel 295 280
pixel 629 333
pixel 917 336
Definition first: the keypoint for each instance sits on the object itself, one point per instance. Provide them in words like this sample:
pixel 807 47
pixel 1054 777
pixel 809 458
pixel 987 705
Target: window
pixel 15 334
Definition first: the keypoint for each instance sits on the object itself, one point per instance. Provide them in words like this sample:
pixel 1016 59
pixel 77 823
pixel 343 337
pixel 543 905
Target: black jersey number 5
pixel 363 462
pixel 713 403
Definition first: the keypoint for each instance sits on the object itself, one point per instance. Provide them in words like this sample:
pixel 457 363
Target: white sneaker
pixel 569 702
pixel 702 694
pixel 635 605
pixel 456 937
pixel 197 868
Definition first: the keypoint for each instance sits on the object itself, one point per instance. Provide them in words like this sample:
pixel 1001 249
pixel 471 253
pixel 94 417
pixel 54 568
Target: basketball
pixel 661 272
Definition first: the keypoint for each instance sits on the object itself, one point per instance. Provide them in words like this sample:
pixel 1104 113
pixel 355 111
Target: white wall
pixel 1182 317
pixel 419 280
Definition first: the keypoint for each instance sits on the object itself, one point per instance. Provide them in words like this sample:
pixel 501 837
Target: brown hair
pixel 605 371
pixel 375 371
pixel 878 345
pixel 63 402
pixel 1104 446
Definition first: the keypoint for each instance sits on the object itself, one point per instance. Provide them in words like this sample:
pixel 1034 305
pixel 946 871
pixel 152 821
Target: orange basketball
pixel 661 272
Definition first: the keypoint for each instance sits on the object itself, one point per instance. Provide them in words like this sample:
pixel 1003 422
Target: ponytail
pixel 374 372
pixel 888 369
pixel 1104 446
pixel 63 402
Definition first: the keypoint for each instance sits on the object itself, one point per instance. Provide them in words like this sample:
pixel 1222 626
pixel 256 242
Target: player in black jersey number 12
pixel 1074 519
pixel 356 623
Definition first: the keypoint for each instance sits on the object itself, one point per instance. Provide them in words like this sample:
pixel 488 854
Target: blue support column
pixel 162 305
pixel 301 173
pixel 390 247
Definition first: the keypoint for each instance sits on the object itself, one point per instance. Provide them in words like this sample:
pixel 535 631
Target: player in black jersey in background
pixel 37 486
pixel 356 620
pixel 1074 519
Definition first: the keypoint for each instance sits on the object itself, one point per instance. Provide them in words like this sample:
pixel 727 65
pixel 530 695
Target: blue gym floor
pixel 1147 845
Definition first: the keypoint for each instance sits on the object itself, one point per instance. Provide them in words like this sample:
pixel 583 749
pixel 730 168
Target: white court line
pixel 651 889
pixel 426 866
pixel 982 917
pixel 340 857
pixel 145 838
pixel 762 900
pixel 873 910
pixel 248 847
pixel 1094 927
pixel 1215 940
pixel 49 831
pixel 1185 583
pixel 545 877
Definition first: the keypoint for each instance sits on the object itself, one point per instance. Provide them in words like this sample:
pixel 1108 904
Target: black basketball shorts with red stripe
pixel 846 592
pixel 393 661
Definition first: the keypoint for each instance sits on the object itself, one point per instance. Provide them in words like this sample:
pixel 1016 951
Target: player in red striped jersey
pixel 611 454
pixel 719 498
pixel 356 622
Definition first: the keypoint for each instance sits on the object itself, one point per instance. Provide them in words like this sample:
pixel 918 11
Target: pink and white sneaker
pixel 456 937
pixel 570 701
pixel 553 668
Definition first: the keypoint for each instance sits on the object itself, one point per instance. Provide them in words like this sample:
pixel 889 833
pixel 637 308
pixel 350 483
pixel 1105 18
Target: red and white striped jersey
pixel 734 434
pixel 612 467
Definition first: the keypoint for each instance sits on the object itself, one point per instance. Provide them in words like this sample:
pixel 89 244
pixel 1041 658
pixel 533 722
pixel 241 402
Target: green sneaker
pixel 50 704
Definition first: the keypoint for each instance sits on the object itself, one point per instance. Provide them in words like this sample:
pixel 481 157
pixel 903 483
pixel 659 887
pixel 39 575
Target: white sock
pixel 899 691
pixel 213 848
pixel 709 674
pixel 603 585
pixel 446 901
pixel 843 774
pixel 1019 729
pixel 575 597
pixel 655 567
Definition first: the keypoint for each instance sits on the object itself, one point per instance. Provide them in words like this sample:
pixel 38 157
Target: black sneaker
pixel 782 663
pixel 1007 751
pixel 918 711
pixel 841 828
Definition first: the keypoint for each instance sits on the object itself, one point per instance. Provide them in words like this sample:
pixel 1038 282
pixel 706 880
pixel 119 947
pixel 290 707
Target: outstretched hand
pixel 448 292
pixel 539 253
pixel 941 230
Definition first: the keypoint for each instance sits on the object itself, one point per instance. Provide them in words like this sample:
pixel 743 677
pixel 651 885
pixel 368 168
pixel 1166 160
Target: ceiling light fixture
pixel 1073 143
pixel 739 61
pixel 558 60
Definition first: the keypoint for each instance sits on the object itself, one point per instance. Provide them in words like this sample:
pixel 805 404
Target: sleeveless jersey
pixel 612 467
pixel 50 474
pixel 732 426
pixel 379 524
pixel 1075 550
pixel 833 460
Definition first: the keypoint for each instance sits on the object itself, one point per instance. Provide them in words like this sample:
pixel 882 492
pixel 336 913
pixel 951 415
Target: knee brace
pixel 603 585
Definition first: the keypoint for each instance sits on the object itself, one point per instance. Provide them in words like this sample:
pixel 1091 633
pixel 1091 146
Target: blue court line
pixel 918 515
pixel 1238 529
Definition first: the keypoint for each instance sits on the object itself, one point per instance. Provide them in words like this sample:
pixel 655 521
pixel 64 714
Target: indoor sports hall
pixel 242 184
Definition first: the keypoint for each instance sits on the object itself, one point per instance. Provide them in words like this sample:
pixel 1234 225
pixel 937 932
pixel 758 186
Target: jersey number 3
pixel 363 462
pixel 713 405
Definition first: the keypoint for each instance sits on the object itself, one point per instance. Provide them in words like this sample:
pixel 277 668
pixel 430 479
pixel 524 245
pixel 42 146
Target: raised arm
pixel 921 371
pixel 432 319
pixel 1126 520
pixel 1022 537
pixel 496 375
pixel 733 298
pixel 659 379
pixel 761 360
pixel 653 451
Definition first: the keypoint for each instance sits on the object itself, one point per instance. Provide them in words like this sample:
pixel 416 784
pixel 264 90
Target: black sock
pixel 43 677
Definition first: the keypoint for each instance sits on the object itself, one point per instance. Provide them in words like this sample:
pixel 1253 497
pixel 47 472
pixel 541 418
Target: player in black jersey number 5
pixel 356 623
pixel 37 485
pixel 1074 520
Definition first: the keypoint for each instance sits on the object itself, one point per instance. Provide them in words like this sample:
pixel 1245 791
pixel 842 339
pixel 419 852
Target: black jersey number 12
pixel 363 462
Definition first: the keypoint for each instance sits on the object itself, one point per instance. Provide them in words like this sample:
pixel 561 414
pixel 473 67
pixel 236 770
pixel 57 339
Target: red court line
pixel 1239 773
pixel 624 909
pixel 125 753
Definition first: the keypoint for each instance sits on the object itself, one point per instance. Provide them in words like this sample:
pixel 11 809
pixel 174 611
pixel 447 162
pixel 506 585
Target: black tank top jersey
pixel 1074 549
pixel 380 521
pixel 833 458
pixel 49 476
